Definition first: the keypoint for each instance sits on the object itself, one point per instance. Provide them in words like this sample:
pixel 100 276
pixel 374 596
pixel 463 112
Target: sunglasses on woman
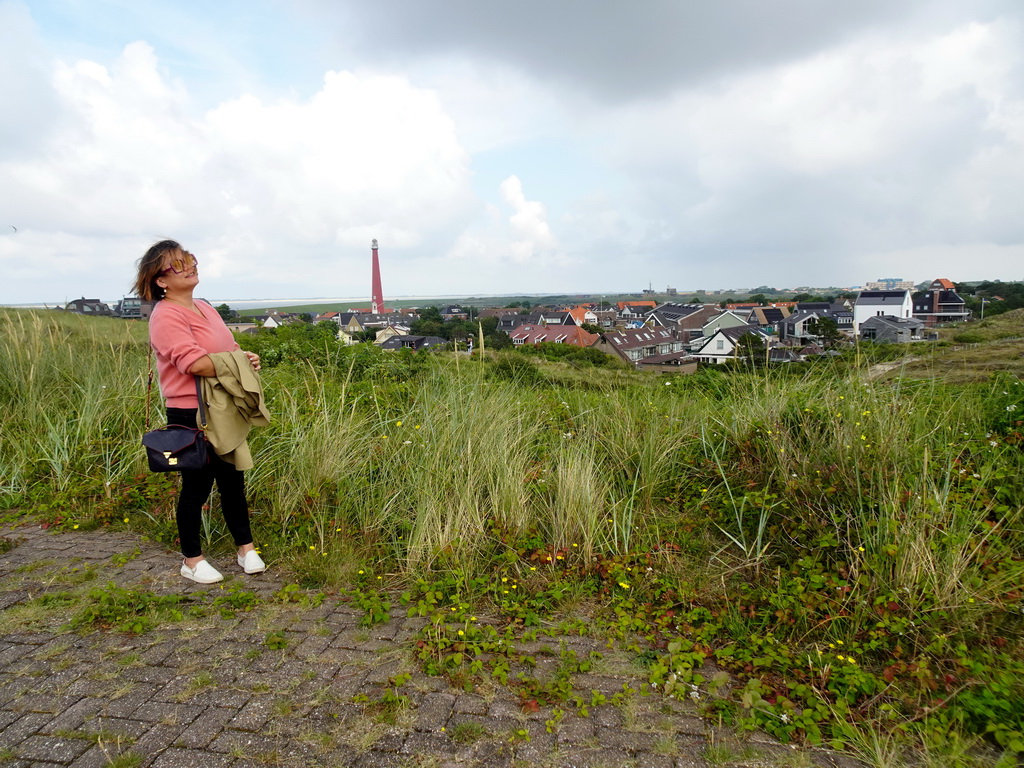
pixel 180 264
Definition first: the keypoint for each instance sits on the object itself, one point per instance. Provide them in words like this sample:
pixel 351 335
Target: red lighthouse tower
pixel 377 300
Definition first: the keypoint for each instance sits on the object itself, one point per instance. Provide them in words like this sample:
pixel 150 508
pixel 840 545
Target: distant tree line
pixel 999 297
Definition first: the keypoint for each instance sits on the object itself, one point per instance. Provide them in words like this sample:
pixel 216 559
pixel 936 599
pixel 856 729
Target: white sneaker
pixel 251 562
pixel 203 573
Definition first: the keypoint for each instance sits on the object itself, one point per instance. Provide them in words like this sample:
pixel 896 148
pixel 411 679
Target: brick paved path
pixel 210 690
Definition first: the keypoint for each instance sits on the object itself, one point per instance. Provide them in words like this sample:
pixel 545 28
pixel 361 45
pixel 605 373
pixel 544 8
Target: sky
pixel 542 146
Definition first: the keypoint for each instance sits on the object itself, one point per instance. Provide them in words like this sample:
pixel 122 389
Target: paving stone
pixel 434 711
pixel 537 749
pixel 689 726
pixel 429 744
pixel 13 651
pixel 645 760
pixel 690 761
pixel 631 741
pixel 205 727
pixel 311 646
pixel 374 759
pixel 468 704
pixel 253 716
pixel 74 716
pixel 391 740
pixel 149 674
pixel 119 726
pixel 7 717
pixel 574 730
pixel 44 702
pixel 505 709
pixel 52 748
pixel 187 758
pixel 27 725
pixel 597 758
pixel 157 739
pixel 167 713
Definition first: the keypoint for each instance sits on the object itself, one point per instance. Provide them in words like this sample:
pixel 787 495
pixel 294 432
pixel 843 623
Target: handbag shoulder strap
pixel 149 385
pixel 202 406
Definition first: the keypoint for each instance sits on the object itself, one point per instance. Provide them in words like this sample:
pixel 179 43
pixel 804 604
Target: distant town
pixel 649 330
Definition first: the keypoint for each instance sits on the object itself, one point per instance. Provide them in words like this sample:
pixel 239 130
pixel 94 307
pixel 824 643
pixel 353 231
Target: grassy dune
pixel 850 548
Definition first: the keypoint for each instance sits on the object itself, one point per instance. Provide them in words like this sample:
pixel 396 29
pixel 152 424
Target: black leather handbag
pixel 174 447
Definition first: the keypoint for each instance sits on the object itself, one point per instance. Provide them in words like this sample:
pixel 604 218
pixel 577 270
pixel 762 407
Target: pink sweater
pixel 180 337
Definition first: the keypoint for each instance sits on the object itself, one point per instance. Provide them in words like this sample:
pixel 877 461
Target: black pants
pixel 196 485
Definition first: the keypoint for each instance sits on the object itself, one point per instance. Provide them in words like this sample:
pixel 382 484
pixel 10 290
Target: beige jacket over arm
pixel 234 404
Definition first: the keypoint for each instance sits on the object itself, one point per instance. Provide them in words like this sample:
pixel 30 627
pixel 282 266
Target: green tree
pixel 751 348
pixel 827 330
pixel 429 323
pixel 227 314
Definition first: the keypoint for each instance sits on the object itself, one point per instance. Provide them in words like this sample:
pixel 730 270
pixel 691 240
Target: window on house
pixel 720 345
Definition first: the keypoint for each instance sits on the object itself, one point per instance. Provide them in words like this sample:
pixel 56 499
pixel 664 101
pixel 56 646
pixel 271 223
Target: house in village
pixel 800 326
pixel 583 314
pixel 891 330
pixel 555 334
pixel 768 318
pixel 498 312
pixel 940 304
pixel 508 323
pixel 276 319
pixel 725 344
pixel 414 343
pixel 879 303
pixel 352 323
pixel 390 331
pixel 129 307
pixel 727 319
pixel 651 348
pixel 634 310
pixel 84 306
pixel 606 318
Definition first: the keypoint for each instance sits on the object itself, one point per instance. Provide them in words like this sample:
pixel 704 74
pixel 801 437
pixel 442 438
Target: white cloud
pixel 518 237
pixel 531 234
pixel 871 146
pixel 297 183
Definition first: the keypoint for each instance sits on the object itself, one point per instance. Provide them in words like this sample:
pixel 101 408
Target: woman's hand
pixel 254 360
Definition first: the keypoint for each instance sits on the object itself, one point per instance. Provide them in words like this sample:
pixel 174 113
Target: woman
pixel 184 332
